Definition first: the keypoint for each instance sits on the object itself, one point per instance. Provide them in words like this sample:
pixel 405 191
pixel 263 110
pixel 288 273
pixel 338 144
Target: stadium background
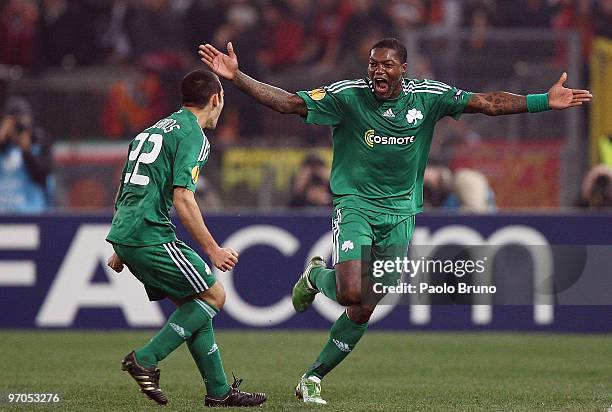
pixel 97 72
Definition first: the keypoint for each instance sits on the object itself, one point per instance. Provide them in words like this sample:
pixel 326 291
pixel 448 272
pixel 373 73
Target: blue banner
pixel 53 273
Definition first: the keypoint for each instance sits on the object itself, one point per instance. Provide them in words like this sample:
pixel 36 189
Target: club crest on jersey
pixel 317 94
pixel 413 116
pixel 195 174
pixel 371 139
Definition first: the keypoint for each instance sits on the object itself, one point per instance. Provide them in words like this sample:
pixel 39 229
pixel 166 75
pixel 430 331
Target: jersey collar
pixel 192 116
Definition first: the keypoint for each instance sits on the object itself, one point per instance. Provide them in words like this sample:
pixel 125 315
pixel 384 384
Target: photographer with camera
pixel 311 184
pixel 596 190
pixel 25 161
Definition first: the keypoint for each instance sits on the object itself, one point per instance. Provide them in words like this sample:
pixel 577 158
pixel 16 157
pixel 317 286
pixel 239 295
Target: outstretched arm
pixel 498 103
pixel 226 66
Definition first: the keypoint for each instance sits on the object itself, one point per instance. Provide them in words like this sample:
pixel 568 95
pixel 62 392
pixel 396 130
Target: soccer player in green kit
pixel 382 127
pixel 162 170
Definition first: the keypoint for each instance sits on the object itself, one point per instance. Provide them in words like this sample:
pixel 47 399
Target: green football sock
pixel 184 321
pixel 325 281
pixel 342 340
pixel 207 356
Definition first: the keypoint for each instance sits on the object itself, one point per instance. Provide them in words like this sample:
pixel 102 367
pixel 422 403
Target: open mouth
pixel 381 85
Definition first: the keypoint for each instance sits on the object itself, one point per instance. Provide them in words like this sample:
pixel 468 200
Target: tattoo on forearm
pixel 496 103
pixel 274 97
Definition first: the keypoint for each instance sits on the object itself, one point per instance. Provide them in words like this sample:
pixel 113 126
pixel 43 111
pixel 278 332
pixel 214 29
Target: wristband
pixel 537 103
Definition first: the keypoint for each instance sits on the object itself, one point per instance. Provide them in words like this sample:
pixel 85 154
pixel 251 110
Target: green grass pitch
pixel 387 372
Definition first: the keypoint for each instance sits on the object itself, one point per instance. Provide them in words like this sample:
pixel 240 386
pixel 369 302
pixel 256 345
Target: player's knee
pixel 360 314
pixel 214 296
pixel 348 296
pixel 219 298
pixel 218 301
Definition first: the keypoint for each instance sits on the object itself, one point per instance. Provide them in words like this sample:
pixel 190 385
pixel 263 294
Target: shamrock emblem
pixel 347 245
pixel 413 115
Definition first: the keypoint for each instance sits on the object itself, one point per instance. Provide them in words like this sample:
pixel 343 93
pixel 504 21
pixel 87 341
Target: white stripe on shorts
pixel 198 288
pixel 336 234
pixel 195 273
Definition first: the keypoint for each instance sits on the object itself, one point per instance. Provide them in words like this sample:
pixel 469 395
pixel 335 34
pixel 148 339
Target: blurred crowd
pixel 159 34
pixel 464 190
pixel 278 41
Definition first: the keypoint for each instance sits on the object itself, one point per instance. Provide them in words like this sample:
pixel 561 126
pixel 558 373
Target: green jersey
pixel 170 153
pixel 380 149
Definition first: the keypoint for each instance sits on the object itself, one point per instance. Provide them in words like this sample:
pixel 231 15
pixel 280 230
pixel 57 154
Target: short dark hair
pixel 394 44
pixel 198 87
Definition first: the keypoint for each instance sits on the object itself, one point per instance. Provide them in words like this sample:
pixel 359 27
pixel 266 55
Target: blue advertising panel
pixel 53 274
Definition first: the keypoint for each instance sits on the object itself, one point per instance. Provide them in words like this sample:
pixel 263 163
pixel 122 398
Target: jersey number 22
pixel 145 158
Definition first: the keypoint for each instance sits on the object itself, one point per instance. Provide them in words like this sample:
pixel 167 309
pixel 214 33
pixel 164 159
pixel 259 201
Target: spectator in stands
pixel 241 26
pixel 240 117
pixel 304 11
pixel 282 37
pixel 438 187
pixel 206 196
pixel 480 18
pixel 596 191
pixel 357 55
pixel 25 161
pixel 473 191
pixel 132 106
pixel 323 47
pixel 534 14
pixel 493 58
pixel 157 34
pixel 311 184
pixel 114 39
pixel 406 14
pixel 573 15
pixel 204 18
pixel 366 15
pixel 446 13
pixel 602 19
pixel 466 190
pixel 17 32
pixel 65 36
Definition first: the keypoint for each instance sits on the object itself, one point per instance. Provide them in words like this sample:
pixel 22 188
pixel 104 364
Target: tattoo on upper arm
pixel 274 97
pixel 496 103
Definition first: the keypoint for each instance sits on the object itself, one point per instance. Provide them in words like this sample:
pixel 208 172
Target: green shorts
pixel 167 270
pixel 369 236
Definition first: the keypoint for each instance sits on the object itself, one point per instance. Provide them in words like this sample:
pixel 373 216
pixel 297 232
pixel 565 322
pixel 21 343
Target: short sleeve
pixel 452 102
pixel 186 168
pixel 324 107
